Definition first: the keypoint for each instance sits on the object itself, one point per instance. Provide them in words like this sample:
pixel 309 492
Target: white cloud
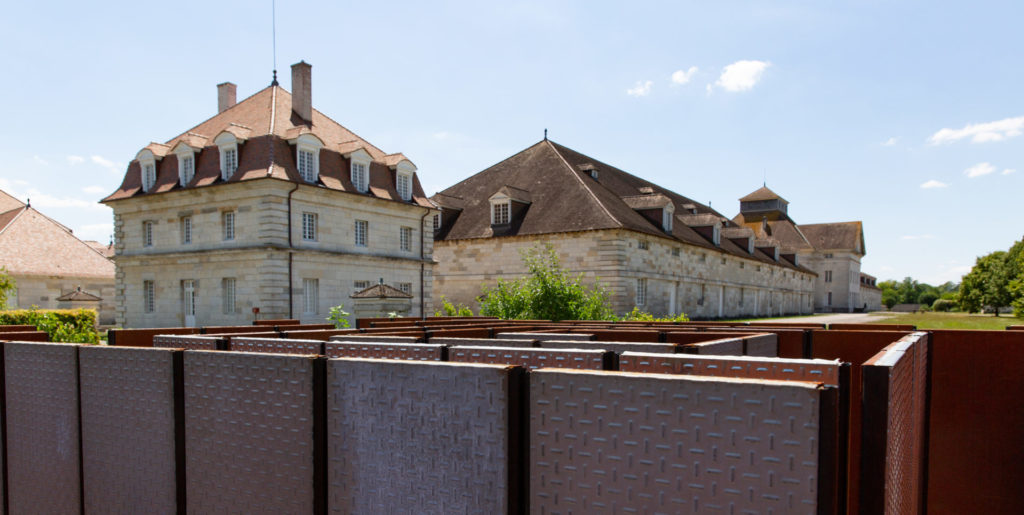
pixel 94 190
pixel 1008 171
pixel 75 160
pixel 641 89
pixel 40 161
pixel 890 142
pixel 933 184
pixel 681 77
pixel 917 237
pixel 979 169
pixel 43 201
pixel 981 132
pixel 108 164
pixel 97 232
pixel 742 75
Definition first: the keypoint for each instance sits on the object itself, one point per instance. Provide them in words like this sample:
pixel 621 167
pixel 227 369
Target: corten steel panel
pixel 400 351
pixel 478 332
pixel 164 341
pixel 253 435
pixel 651 443
pixel 791 340
pixel 616 347
pixel 871 327
pixel 228 329
pixel 750 367
pixel 763 345
pixel 686 337
pixel 25 336
pixel 278 321
pixel 725 347
pixel 317 334
pixel 1015 328
pixel 534 358
pixel 276 345
pixel 143 337
pixel 484 342
pixel 623 335
pixel 375 339
pixel 41 385
pixel 423 437
pixel 16 328
pixel 548 336
pixel 132 420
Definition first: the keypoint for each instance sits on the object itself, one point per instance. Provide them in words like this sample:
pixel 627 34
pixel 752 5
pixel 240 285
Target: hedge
pixel 63 325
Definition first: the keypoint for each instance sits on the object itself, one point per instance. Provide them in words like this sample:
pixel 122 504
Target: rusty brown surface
pixel 871 327
pixel 422 437
pixel 276 345
pixel 533 358
pixel 187 342
pixel 130 453
pixel 654 443
pixel 251 426
pixel 483 342
pixel 687 337
pixel 723 347
pixel 400 351
pixel 540 337
pixel 42 417
pixel 25 336
pixel 750 367
pixel 616 347
pixel 763 345
pixel 639 334
pixel 143 337
pixel 370 338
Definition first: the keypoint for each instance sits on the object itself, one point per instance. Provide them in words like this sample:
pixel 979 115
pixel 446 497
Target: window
pixel 828 256
pixel 641 291
pixel 309 226
pixel 362 228
pixel 437 221
pixel 148 176
pixel 499 213
pixel 229 163
pixel 361 285
pixel 829 298
pixel 703 292
pixel 405 239
pixel 404 185
pixel 186 230
pixel 310 293
pixel 148 296
pixel 186 169
pixel 828 276
pixel 703 257
pixel 723 260
pixel 675 252
pixel 227 295
pixel 666 218
pixel 742 264
pixel 360 179
pixel 742 294
pixel 307 165
pixel 405 287
pixel 228 223
pixel 643 245
pixel 147 233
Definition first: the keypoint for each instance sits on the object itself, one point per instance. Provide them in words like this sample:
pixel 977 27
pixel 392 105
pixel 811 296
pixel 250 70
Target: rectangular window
pixel 359 177
pixel 405 239
pixel 742 294
pixel 188 170
pixel 499 213
pixel 148 296
pixel 703 292
pixel 228 221
pixel 404 186
pixel 405 287
pixel 828 256
pixel 643 245
pixel 309 226
pixel 362 228
pixel 307 165
pixel 361 285
pixel 310 294
pixel 829 298
pixel 148 177
pixel 742 264
pixel 147 233
pixel 641 292
pixel 227 295
pixel 437 222
pixel 675 252
pixel 186 230
pixel 230 162
pixel 828 276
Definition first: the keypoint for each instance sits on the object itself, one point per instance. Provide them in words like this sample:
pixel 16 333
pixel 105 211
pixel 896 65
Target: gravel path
pixel 834 318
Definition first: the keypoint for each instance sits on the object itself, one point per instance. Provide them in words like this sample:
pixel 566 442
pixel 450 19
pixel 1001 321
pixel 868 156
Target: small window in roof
pixel 148 176
pixel 307 165
pixel 499 213
pixel 360 177
pixel 404 184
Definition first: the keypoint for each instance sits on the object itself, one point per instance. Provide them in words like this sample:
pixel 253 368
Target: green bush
pixel 451 310
pixel 338 316
pixel 642 316
pixel 944 305
pixel 63 325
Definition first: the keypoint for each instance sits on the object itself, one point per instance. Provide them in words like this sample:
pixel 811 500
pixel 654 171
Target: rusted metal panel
pixel 534 357
pixel 653 443
pixel 169 341
pixel 132 459
pixel 276 345
pixel 42 416
pixel 764 345
pixel 579 337
pixel 750 367
pixel 616 347
pixel 483 342
pixel 370 338
pixel 253 442
pixel 402 351
pixel 409 437
pixel 725 347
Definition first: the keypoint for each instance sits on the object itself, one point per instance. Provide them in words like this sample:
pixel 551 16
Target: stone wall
pixel 845 284
pixel 42 291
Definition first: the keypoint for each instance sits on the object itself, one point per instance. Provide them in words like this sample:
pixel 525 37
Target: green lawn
pixel 951 321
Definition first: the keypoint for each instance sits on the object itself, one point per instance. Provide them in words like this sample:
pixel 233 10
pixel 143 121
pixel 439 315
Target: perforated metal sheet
pixel 167 341
pixel 370 338
pixel 276 345
pixel 617 347
pixel 129 453
pixel 401 351
pixel 726 347
pixel 549 336
pixel 484 342
pixel 532 357
pixel 764 345
pixel 651 443
pixel 750 367
pixel 409 437
pixel 41 382
pixel 249 439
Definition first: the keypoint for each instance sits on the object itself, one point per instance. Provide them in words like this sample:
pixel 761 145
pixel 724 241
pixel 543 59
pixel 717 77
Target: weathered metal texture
pixel 764 345
pixel 143 337
pixel 541 337
pixel 750 367
pixel 167 341
pixel 252 442
pixel 687 337
pixel 42 416
pixel 653 443
pixel 370 338
pixel 131 455
pixel 616 347
pixel 892 449
pixel 639 334
pixel 725 347
pixel 401 351
pixel 276 345
pixel 484 342
pixel 534 357
pixel 423 437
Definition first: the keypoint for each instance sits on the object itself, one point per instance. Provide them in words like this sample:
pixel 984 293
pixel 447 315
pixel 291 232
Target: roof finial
pixel 273 37
pixel 274 82
pixel 28 202
pixel 545 134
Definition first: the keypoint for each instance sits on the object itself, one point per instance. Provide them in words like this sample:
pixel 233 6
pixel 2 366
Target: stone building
pixel 50 264
pixel 648 246
pixel 832 250
pixel 870 293
pixel 267 205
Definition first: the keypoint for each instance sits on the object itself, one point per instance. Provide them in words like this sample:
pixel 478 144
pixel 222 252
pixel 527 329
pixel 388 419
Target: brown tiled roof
pixel 762 193
pixel 7 203
pixel 835 236
pixel 652 201
pixel 266 122
pixel 381 291
pixel 700 220
pixel 33 244
pixel 107 249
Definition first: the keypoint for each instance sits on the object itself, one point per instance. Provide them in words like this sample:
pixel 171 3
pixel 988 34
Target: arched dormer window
pixel 403 180
pixel 359 170
pixel 307 157
pixel 147 169
pixel 667 214
pixel 186 163
pixel 227 146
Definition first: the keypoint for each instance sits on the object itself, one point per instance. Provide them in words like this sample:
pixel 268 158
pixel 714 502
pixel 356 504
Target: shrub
pixel 451 310
pixel 642 316
pixel 944 305
pixel 63 325
pixel 339 317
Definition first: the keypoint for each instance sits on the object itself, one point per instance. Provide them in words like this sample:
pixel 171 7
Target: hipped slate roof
pixel 266 121
pixel 565 198
pixel 33 244
pixel 835 236
pixel 762 193
pixel 793 237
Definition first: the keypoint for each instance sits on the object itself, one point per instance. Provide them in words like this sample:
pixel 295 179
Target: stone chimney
pixel 302 90
pixel 225 96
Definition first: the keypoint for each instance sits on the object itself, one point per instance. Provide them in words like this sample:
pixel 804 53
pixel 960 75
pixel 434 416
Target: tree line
pixel 996 281
pixel 909 291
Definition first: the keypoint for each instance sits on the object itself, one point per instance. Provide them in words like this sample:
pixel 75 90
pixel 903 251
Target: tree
pixel 7 286
pixel 1015 270
pixel 987 284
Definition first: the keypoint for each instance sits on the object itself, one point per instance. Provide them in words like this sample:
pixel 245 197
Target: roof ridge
pixel 486 169
pixel 246 99
pixel 17 216
pixel 364 140
pixel 572 171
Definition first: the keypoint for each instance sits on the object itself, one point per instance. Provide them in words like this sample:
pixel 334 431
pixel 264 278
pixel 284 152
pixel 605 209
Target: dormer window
pixel 716 235
pixel 499 212
pixel 307 157
pixel 359 170
pixel 307 165
pixel 227 144
pixel 148 176
pixel 507 203
pixel 667 214
pixel 186 169
pixel 403 183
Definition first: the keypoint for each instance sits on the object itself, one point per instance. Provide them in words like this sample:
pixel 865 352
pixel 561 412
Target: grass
pixel 952 321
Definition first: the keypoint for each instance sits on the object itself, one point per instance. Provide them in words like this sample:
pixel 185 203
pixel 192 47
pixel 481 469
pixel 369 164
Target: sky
pixel 906 115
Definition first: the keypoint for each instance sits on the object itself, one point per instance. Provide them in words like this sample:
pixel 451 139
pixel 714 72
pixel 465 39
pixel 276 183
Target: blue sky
pixel 905 115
